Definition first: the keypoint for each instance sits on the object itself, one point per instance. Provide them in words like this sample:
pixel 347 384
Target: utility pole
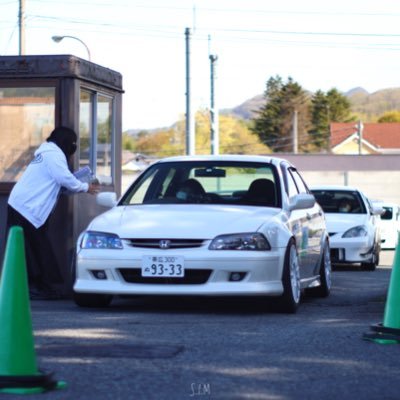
pixel 360 128
pixel 190 139
pixel 21 23
pixel 213 108
pixel 295 133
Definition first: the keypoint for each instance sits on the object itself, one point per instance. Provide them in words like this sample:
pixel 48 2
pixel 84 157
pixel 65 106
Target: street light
pixel 58 39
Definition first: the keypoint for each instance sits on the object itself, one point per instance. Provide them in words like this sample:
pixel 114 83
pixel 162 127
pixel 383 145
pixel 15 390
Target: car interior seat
pixel 261 192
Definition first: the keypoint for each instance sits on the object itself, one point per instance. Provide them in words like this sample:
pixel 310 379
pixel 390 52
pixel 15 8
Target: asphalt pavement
pixel 184 348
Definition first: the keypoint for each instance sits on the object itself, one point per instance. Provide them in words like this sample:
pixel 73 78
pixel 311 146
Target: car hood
pixel 181 221
pixel 343 222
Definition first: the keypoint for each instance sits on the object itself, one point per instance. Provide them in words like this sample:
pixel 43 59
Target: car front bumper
pixel 260 274
pixel 350 250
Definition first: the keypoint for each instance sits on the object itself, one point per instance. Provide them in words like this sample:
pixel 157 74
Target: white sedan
pixel 353 225
pixel 207 226
pixel 390 225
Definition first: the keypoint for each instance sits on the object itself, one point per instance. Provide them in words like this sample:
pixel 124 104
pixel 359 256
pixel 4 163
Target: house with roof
pixel 134 162
pixel 376 138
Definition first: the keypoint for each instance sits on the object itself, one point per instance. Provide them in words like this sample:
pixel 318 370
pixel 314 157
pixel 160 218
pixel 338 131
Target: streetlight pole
pixel 190 118
pixel 21 23
pixel 213 108
pixel 58 39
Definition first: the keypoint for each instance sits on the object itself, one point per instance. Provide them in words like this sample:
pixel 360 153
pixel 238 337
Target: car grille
pixel 192 277
pixel 172 243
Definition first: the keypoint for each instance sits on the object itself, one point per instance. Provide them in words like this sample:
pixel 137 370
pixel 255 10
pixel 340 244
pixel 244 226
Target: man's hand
pixel 93 188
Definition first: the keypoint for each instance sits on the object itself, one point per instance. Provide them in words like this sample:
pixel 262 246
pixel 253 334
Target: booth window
pixel 26 120
pixel 85 129
pixel 96 127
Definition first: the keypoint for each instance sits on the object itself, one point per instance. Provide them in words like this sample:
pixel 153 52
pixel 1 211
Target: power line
pixel 294 33
pixel 158 33
pixel 309 33
pixel 247 10
pixel 166 31
pixel 10 38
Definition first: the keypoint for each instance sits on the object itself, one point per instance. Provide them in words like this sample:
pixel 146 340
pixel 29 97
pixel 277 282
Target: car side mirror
pixel 301 201
pixel 106 199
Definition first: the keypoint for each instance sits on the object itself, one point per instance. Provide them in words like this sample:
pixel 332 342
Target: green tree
pixel 339 107
pixel 324 109
pixel 162 143
pixel 274 122
pixel 235 136
pixel 319 134
pixel 390 116
pixel 128 142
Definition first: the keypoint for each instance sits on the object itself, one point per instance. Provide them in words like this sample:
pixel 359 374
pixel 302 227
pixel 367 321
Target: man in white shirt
pixel 32 200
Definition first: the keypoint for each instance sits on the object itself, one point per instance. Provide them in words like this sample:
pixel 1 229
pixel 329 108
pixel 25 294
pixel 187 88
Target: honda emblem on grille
pixel 164 244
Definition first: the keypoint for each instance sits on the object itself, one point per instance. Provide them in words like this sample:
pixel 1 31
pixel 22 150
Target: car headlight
pixel 357 231
pixel 100 240
pixel 240 241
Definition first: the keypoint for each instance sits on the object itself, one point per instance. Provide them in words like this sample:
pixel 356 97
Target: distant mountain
pixel 356 91
pixel 367 105
pixel 362 102
pixel 376 103
pixel 246 110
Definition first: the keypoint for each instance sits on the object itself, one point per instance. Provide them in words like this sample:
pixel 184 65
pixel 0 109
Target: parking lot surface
pixel 183 348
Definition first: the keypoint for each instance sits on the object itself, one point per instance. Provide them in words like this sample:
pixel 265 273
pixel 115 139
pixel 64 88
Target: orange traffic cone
pixel 389 331
pixel 18 370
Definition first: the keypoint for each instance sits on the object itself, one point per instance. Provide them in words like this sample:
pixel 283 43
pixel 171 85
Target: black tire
pixel 371 266
pixel 325 273
pixel 92 300
pixel 290 300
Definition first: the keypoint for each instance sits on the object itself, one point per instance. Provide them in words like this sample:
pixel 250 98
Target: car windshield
pixel 206 182
pixel 340 201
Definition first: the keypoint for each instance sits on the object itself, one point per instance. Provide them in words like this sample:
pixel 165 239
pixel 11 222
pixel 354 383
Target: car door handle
pixel 309 216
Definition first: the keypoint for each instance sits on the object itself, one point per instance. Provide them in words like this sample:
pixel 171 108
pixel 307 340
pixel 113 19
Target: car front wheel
pixel 374 262
pixel 290 300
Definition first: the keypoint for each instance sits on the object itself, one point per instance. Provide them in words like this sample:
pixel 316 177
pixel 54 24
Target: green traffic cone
pixel 389 331
pixel 391 318
pixel 18 368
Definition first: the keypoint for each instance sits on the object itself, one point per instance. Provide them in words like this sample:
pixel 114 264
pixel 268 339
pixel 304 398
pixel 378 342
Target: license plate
pixel 163 266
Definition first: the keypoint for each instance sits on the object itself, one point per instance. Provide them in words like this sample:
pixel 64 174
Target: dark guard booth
pixel 39 93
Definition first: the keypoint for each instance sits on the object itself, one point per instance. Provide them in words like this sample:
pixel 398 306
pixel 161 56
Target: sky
pixel 320 44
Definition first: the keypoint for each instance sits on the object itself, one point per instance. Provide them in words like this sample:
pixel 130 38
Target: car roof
pixel 226 157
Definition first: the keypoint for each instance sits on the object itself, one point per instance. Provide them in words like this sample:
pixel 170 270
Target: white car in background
pixel 390 225
pixel 353 225
pixel 207 226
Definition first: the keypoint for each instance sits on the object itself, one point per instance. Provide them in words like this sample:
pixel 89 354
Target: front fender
pixel 277 233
